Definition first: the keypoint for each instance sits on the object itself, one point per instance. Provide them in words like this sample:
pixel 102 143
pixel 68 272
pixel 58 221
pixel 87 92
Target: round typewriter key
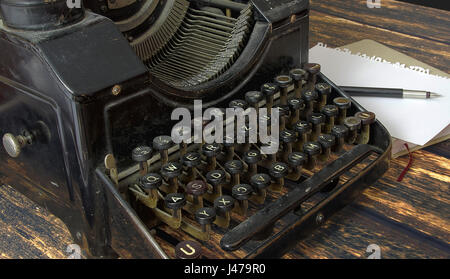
pixel 312 149
pixel 172 171
pixel 340 132
pixel 353 124
pixel 175 201
pixel 298 75
pixel 196 189
pixel 242 192
pixel 331 112
pixel 303 129
pixel 283 82
pixel 211 150
pixel 142 154
pixel 162 144
pixel 205 215
pixel 296 160
pixel 253 98
pixel 288 138
pixel 323 89
pixel 216 178
pixel 260 182
pixel 317 119
pixel 269 90
pixel 223 205
pixel 296 106
pixel 309 96
pixel 367 118
pixel 235 168
pixel 343 105
pixel 284 113
pixel 252 158
pixel 150 181
pixel 191 160
pixel 313 69
pixel 188 250
pixel 238 104
pixel 326 141
pixel 278 171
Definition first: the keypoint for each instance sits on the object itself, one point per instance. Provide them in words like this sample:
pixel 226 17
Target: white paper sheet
pixel 412 120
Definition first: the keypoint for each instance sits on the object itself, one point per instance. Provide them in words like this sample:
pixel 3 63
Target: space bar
pixel 267 216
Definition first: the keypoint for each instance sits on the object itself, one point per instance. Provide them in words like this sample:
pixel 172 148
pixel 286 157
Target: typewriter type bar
pixel 233 201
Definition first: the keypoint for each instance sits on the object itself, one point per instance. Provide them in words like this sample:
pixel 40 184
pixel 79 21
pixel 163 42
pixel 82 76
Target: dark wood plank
pixel 336 32
pixel 413 20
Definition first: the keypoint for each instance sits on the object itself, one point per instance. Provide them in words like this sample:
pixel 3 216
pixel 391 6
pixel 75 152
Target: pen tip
pixel 434 95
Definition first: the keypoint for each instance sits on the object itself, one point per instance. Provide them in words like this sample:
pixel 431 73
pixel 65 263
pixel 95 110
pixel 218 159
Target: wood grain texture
pixel 408 219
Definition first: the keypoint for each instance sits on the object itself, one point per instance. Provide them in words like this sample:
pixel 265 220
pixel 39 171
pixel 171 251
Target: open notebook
pixel 370 64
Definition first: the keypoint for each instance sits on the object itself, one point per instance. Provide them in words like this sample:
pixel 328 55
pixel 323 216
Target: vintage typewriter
pixel 86 96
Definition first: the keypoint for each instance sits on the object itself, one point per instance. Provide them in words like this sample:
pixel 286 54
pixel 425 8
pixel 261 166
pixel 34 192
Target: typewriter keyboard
pixel 230 200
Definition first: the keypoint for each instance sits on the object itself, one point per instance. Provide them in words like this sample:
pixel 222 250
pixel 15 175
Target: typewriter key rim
pixel 147 184
pixel 171 203
pixel 203 219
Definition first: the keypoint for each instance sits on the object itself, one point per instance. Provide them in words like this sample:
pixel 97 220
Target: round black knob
pixel 252 156
pixel 296 159
pixel 278 170
pixel 342 103
pixel 283 110
pixel 317 118
pixel 150 181
pixel 352 123
pixel 211 149
pixel 242 191
pixel 295 104
pixel 196 187
pixel 260 181
pixel 312 148
pixel 339 131
pixel 191 159
pixel 366 117
pixel 238 104
pixel 324 89
pixel 188 250
pixel 298 74
pixel 302 127
pixel 216 177
pixel 326 140
pixel 234 167
pixel 287 136
pixel 141 153
pixel 269 89
pixel 205 215
pixel 310 95
pixel 224 204
pixel 254 97
pixel 330 110
pixel 283 81
pixel 175 201
pixel 162 143
pixel 171 170
pixel 312 68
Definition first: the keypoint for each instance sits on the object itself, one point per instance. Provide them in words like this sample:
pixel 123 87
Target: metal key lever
pixel 245 231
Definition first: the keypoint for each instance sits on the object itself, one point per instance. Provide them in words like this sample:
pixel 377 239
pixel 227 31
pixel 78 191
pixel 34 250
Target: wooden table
pixel 408 219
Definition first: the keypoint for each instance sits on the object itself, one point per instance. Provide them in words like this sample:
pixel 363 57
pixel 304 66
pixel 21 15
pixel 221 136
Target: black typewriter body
pixel 77 96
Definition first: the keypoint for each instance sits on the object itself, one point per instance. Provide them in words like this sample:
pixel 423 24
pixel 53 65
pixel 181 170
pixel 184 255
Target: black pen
pixel 388 92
